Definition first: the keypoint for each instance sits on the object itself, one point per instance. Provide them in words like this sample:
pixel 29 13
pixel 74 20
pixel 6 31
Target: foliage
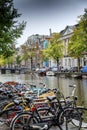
pixel 2 60
pixel 28 52
pixel 78 41
pixel 18 59
pixel 8 60
pixel 54 49
pixel 46 53
pixel 10 29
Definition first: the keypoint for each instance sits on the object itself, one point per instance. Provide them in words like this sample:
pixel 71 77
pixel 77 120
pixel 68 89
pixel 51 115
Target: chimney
pixel 50 32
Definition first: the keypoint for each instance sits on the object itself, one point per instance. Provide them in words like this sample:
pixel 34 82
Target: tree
pixel 10 29
pixel 78 41
pixel 28 53
pixel 18 59
pixel 54 49
pixel 2 60
pixel 6 61
pixel 25 50
pixel 9 61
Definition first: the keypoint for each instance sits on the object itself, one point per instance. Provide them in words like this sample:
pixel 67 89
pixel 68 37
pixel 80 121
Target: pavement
pixel 4 127
pixel 7 128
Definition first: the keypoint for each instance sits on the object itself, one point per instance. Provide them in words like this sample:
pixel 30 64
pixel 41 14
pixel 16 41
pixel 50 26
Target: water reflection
pixel 63 85
pixel 52 82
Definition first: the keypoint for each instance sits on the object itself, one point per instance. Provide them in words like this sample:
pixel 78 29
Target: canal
pixel 52 82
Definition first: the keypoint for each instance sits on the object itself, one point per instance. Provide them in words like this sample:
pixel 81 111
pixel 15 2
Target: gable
pixel 68 30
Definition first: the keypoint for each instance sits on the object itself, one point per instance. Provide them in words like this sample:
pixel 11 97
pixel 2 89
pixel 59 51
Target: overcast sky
pixel 41 15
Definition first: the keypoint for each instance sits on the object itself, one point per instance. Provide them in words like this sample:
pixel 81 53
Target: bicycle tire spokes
pixel 72 119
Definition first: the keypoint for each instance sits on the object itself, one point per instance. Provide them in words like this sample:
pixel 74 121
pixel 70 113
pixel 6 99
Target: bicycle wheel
pixel 22 121
pixel 13 105
pixel 7 115
pixel 72 119
pixel 83 114
pixel 9 105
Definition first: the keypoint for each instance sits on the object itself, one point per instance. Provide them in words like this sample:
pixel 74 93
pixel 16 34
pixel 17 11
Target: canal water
pixel 52 82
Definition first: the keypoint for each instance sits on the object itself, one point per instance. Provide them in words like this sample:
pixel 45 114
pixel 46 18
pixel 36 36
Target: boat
pixel 42 73
pixel 76 76
pixel 84 76
pixel 50 73
pixel 12 83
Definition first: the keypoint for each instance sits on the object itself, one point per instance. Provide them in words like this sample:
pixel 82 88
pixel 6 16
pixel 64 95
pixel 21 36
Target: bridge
pixel 13 70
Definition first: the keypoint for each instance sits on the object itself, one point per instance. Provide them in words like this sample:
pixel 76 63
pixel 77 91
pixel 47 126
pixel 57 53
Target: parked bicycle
pixel 63 117
pixel 81 109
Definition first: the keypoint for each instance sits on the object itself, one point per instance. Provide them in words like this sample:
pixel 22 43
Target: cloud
pixel 44 14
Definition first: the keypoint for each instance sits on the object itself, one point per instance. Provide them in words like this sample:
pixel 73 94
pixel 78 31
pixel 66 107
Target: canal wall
pixel 72 74
pixel 27 71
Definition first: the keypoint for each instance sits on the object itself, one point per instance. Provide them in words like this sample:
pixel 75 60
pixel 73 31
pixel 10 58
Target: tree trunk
pixel 78 64
pixel 31 63
pixel 58 62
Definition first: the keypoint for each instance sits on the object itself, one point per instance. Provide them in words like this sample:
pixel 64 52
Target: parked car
pixel 42 70
pixel 84 69
pixel 73 69
pixel 54 69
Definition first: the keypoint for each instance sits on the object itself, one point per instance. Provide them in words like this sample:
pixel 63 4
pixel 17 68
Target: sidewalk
pixel 53 128
pixel 4 127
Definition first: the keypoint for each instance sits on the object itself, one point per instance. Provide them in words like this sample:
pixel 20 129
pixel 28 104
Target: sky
pixel 42 15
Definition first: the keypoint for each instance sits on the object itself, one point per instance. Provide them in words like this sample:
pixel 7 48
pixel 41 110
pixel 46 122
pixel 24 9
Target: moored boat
pixel 50 73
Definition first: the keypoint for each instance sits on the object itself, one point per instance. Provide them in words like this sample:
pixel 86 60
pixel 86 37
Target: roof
pixel 68 30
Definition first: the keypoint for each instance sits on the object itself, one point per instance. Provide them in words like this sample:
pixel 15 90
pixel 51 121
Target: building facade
pixel 67 61
pixel 34 46
pixel 39 42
